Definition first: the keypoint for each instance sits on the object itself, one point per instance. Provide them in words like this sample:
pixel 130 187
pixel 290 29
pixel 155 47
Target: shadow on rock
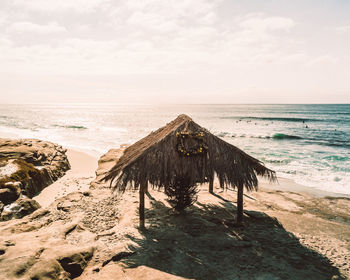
pixel 205 244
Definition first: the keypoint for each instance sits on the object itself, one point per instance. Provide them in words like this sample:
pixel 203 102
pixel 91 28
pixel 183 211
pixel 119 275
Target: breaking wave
pixel 280 119
pixel 71 126
pixel 276 136
pixel 281 136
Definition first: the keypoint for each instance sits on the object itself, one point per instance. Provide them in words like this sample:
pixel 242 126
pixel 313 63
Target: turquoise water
pixel 307 143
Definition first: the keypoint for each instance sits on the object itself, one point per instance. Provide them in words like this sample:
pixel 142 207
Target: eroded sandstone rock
pixel 74 262
pixel 20 208
pixel 8 194
pixel 205 244
pixel 105 163
pixel 27 166
pixel 47 270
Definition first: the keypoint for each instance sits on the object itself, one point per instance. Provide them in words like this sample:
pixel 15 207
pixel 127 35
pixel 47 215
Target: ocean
pixel 309 144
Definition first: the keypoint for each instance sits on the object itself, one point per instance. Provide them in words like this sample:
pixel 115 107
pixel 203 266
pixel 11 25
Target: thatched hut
pixel 183 148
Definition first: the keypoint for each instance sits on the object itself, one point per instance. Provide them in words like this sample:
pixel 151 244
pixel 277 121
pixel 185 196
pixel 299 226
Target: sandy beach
pixel 78 178
pixel 286 234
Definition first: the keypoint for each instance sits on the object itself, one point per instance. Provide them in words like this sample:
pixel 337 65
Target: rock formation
pixel 94 235
pixel 26 167
pixel 61 241
pixel 105 163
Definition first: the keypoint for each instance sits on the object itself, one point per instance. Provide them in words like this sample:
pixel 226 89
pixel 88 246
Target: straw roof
pixel 156 159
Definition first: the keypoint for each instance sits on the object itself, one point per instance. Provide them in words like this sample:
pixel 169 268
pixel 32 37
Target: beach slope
pixel 91 234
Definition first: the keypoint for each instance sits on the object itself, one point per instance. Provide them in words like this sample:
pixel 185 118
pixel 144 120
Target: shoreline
pixel 282 184
pixel 82 157
pixel 288 185
pixel 83 172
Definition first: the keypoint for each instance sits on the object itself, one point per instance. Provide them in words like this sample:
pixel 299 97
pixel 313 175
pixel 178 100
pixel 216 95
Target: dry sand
pixel 78 178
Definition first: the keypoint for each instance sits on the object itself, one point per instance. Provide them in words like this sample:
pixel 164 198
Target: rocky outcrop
pixel 20 208
pixel 27 166
pixel 9 192
pixel 94 235
pixel 105 163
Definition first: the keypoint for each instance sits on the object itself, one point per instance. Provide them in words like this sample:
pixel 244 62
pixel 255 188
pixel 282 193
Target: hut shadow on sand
pixel 205 243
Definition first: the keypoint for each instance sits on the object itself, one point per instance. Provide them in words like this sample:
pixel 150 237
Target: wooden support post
pixel 211 184
pixel 143 187
pixel 240 205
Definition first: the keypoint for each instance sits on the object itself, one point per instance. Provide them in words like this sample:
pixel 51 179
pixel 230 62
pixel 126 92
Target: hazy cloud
pixel 199 45
pixel 343 29
pixel 3 19
pixel 261 22
pixel 26 26
pixel 323 60
pixel 80 6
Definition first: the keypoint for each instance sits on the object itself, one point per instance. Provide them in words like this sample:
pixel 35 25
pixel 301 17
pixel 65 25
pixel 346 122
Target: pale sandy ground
pixel 310 238
pixel 82 172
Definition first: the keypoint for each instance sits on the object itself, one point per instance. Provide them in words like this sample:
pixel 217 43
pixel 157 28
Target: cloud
pixel 253 40
pixel 173 45
pixel 260 21
pixel 164 16
pixel 5 43
pixel 156 37
pixel 323 60
pixel 30 27
pixel 3 19
pixel 342 29
pixel 80 6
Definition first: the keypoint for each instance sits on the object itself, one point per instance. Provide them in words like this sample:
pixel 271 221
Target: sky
pixel 175 51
